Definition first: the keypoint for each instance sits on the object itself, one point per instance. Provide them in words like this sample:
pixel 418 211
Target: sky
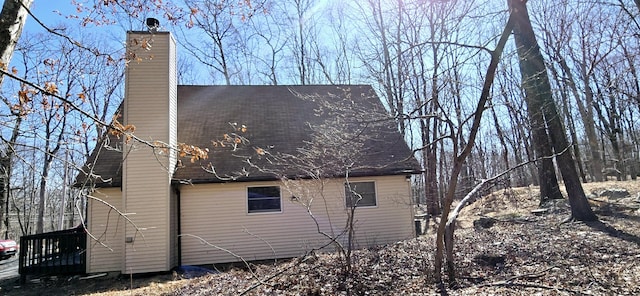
pixel 54 13
pixel 46 12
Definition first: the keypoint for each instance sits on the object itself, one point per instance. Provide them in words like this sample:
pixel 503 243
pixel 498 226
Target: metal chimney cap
pixel 153 24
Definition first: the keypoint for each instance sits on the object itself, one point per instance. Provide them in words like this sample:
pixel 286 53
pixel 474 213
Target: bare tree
pixel 538 92
pixel 461 153
pixel 269 50
pixel 216 22
pixel 6 156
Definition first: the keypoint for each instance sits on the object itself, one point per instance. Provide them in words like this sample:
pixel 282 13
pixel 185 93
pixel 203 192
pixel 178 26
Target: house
pixel 284 164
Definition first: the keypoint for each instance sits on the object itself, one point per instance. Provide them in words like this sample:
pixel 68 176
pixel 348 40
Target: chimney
pixel 150 105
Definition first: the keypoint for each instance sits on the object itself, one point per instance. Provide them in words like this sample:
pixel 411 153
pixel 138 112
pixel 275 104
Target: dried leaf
pixel 51 87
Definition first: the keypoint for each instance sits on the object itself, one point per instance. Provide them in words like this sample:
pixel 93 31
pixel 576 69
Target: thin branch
pixel 95 119
pixel 511 282
pixel 93 51
pixel 275 256
pixel 454 214
pixel 121 214
pixel 245 262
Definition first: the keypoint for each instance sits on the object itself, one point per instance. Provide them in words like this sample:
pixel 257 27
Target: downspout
pixel 179 214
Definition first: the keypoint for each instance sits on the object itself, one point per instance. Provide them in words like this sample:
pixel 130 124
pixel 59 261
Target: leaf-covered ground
pixel 514 253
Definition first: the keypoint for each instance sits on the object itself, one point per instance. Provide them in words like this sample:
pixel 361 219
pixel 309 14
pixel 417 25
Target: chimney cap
pixel 153 24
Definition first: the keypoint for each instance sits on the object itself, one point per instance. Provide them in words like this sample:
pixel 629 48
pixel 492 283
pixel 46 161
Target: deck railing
pixel 53 253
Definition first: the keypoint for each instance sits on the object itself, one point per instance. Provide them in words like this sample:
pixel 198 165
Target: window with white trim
pixel 360 194
pixel 263 199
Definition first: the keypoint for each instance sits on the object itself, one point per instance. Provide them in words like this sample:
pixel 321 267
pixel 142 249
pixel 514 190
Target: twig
pixel 454 214
pixel 511 282
pixel 275 255
pixel 531 275
pixel 300 260
pixel 93 51
pixel 111 208
pixel 245 262
pixel 529 285
pixel 519 221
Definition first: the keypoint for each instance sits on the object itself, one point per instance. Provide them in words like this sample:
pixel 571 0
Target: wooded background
pixel 426 59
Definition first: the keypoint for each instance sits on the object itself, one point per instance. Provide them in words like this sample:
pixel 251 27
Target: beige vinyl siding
pixel 217 214
pixel 147 173
pixel 105 248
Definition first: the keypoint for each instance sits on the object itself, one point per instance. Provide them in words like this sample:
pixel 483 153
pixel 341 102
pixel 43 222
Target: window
pixel 360 194
pixel 263 199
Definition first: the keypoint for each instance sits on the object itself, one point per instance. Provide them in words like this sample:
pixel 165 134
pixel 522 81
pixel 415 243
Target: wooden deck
pixel 53 253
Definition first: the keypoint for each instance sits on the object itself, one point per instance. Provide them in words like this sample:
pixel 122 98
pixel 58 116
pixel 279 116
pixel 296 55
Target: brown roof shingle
pixel 282 121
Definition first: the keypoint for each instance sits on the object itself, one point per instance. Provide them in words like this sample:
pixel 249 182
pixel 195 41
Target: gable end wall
pixel 217 214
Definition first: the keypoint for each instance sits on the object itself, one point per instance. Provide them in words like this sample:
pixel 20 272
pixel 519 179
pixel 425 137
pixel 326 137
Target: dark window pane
pixel 263 199
pixel 360 194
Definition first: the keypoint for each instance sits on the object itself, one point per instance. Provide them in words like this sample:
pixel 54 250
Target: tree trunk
pixel 460 158
pixel 574 138
pixel 430 175
pixel 503 144
pixel 549 188
pixel 433 199
pixel 12 19
pixel 5 174
pixel 42 203
pixel 586 113
pixel 590 130
pixel 570 121
pixel 537 88
pixel 521 136
pixel 610 120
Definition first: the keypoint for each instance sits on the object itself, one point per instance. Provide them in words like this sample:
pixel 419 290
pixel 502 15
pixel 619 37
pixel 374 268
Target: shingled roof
pixel 280 122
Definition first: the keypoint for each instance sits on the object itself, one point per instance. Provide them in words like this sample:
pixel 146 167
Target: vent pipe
pixel 153 25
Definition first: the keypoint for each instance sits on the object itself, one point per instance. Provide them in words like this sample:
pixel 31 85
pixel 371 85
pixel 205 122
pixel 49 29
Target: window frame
pixel 258 212
pixel 347 192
